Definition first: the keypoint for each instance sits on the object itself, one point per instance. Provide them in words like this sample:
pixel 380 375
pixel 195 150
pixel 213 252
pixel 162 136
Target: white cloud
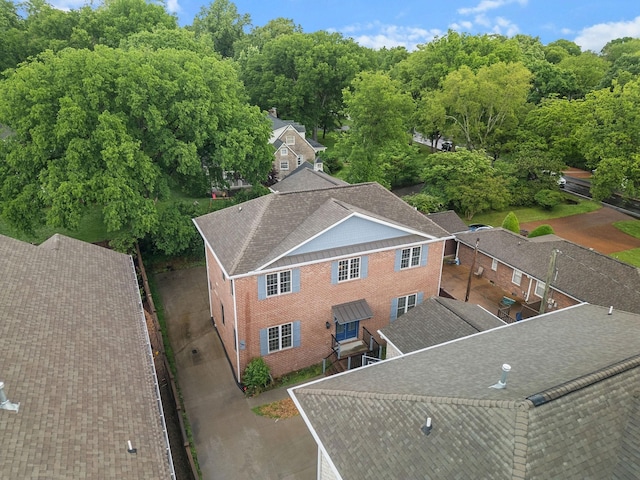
pixel 595 37
pixel 482 20
pixel 67 5
pixel 505 27
pixel 173 6
pixel 486 5
pixel 377 35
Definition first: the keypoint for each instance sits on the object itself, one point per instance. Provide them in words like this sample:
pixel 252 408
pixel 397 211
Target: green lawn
pixel 534 214
pixel 632 257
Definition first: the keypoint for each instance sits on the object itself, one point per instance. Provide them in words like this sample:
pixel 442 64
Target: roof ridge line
pixel 508 404
pixel 584 381
pixel 252 231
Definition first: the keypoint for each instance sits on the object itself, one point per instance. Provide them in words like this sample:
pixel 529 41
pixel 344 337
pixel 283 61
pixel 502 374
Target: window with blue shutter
pixel 279 337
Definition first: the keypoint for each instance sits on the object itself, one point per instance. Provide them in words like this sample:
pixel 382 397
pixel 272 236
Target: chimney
pixel 5 404
pixel 318 166
pixel 273 111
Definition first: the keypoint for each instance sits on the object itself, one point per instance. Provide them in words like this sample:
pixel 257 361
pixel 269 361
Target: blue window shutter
pixel 419 298
pixel 394 309
pixel 264 342
pixel 364 266
pixel 296 333
pixel 398 260
pixel 262 287
pixel 423 255
pixel 334 272
pixel 295 280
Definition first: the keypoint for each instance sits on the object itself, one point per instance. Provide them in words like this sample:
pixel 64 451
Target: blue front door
pixel 347 331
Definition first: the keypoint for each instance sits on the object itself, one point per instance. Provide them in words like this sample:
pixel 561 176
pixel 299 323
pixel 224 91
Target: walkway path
pixel 231 441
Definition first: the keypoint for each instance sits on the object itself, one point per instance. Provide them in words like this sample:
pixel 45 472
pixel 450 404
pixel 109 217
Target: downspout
pixel 235 329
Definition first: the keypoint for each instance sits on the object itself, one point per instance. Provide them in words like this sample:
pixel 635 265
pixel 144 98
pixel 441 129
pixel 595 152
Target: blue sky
pixel 378 23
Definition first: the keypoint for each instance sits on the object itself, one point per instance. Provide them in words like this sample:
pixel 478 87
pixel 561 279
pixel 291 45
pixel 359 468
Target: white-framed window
pixel 290 140
pixel 539 291
pixel 284 151
pixel 284 165
pixel 300 159
pixel 278 283
pixel 348 269
pixel 494 264
pixel 280 337
pixel 516 277
pixel 410 257
pixel 406 303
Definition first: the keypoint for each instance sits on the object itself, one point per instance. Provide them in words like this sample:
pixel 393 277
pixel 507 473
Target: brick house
pixel 520 265
pixel 568 408
pixel 294 276
pixel 292 147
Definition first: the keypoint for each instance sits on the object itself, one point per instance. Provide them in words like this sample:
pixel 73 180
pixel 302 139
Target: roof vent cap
pixel 5 404
pixel 502 383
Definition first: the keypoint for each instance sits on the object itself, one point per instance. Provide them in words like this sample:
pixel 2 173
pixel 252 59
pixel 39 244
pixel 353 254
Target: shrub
pixel 424 202
pixel 256 375
pixel 541 230
pixel 548 199
pixel 511 222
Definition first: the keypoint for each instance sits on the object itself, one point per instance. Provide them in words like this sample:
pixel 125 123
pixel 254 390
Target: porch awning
pixel 351 311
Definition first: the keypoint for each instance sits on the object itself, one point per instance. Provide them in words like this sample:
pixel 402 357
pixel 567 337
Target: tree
pixel 610 140
pixel 222 21
pixel 589 70
pixel 614 49
pixel 541 230
pixel 551 81
pixel 481 105
pixel 303 76
pixel 380 115
pixel 466 181
pixel 259 36
pixel 511 223
pixel 114 128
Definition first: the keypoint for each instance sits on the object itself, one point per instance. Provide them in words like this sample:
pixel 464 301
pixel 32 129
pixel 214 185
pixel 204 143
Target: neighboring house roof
pixel 305 177
pixel 279 123
pixel 435 321
pixel 450 221
pixel 256 234
pixel 76 356
pixel 581 273
pixel 570 408
pixel 317 146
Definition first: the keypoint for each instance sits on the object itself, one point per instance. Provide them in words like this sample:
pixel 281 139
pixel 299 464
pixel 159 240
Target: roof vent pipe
pixel 610 310
pixel 5 404
pixel 502 383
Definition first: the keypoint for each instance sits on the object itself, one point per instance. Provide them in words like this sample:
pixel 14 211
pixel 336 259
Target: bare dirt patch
pixel 592 230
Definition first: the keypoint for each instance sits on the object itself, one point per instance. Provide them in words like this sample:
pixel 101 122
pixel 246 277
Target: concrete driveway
pixel 231 441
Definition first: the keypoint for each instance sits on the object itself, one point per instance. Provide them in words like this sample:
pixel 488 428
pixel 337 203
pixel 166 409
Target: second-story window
pixel 278 283
pixel 348 269
pixel 290 140
pixel 284 151
pixel 410 257
pixel 284 165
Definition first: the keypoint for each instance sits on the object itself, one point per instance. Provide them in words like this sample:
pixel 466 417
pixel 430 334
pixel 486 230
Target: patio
pixel 455 279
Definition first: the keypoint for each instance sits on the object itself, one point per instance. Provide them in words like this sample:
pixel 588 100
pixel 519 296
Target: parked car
pixel 562 181
pixel 475 227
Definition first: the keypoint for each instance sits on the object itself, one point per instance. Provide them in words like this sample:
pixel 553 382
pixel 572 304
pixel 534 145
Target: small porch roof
pixel 351 311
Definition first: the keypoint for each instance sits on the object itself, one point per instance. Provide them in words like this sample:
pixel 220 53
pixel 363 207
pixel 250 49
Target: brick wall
pixel 503 278
pixel 312 306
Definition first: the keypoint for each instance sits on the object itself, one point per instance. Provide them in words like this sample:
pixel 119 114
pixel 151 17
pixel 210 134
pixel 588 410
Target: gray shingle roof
pixel 438 320
pixel 450 221
pixel 581 360
pixel 305 177
pixel 75 355
pixel 248 236
pixel 581 273
pixel 279 123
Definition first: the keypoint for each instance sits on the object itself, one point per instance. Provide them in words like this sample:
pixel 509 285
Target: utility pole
pixel 473 265
pixel 552 267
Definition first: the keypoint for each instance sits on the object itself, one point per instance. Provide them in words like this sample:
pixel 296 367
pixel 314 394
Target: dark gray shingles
pixel 244 237
pixel 438 320
pixel 374 413
pixel 76 357
pixel 305 178
pixel 449 220
pixel 582 273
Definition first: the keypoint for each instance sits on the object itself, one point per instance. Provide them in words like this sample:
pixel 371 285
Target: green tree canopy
pixel 115 128
pixel 302 75
pixel 482 105
pixel 221 20
pixel 380 113
pixel 466 181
